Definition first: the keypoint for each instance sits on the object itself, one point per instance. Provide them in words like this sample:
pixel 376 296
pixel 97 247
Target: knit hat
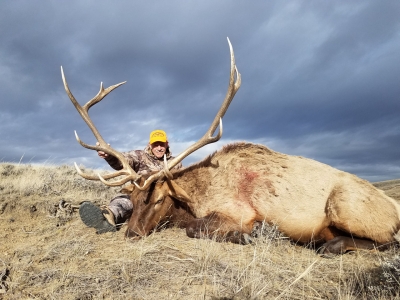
pixel 158 136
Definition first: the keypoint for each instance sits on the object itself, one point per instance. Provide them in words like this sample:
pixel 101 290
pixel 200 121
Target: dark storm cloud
pixel 320 79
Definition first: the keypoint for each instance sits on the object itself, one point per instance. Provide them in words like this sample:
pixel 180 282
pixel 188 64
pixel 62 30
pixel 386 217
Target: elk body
pixel 244 183
pixel 224 195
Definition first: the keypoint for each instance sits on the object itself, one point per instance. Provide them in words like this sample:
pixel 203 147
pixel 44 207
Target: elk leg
pixel 218 227
pixel 341 244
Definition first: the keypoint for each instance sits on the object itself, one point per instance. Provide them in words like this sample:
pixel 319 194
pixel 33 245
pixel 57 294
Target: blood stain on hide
pixel 246 182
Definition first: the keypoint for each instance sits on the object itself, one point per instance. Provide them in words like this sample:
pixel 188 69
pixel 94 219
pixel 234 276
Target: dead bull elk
pixel 222 196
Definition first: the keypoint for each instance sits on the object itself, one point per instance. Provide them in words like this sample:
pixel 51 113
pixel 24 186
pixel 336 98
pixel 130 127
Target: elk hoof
pixel 333 247
pixel 192 232
pixel 246 239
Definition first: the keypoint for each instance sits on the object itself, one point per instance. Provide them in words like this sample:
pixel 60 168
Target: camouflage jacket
pixel 142 161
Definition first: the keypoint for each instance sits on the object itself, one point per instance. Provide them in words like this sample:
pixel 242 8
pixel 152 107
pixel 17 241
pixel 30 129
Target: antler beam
pixel 101 145
pixel 208 138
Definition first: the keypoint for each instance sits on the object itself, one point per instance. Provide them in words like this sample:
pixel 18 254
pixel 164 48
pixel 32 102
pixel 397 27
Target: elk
pixel 224 195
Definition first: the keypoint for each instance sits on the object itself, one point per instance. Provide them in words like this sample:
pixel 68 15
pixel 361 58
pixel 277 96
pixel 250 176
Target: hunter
pixel 106 218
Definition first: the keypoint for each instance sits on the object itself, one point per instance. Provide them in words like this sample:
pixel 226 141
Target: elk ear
pixel 177 192
pixel 128 189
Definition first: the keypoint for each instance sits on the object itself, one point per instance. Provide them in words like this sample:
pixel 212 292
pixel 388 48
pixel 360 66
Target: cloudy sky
pixel 320 79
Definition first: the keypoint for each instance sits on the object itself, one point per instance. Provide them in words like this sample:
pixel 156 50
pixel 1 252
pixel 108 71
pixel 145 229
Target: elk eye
pixel 159 201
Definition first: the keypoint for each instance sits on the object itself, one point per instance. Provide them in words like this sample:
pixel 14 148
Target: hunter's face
pixel 159 149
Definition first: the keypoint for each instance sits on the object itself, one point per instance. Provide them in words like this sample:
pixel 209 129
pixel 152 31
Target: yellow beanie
pixel 158 136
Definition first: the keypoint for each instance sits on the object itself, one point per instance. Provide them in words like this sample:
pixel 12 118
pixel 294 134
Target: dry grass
pixel 47 253
pixel 391 187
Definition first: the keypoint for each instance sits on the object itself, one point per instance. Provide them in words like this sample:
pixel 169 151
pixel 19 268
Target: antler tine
pixel 96 177
pixel 234 85
pixel 102 145
pixel 119 182
pixel 166 171
pixel 83 111
pixel 149 180
pixel 163 173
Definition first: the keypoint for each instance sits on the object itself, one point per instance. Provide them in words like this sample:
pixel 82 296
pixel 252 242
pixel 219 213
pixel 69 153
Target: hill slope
pixel 391 188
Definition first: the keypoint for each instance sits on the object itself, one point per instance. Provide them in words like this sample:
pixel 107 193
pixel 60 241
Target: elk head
pixel 162 202
pixel 151 196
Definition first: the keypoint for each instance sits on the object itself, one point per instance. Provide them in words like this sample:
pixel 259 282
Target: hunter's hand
pixel 102 154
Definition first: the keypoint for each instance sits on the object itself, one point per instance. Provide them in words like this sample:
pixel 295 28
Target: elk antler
pixel 208 138
pixel 101 144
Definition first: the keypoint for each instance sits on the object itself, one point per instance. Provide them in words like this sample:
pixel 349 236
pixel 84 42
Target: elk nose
pixel 131 235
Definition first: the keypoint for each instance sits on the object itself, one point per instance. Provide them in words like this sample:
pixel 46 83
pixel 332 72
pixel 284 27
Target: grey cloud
pixel 320 79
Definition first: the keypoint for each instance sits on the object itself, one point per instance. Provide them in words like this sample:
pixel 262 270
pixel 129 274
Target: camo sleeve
pixel 140 161
pixel 133 158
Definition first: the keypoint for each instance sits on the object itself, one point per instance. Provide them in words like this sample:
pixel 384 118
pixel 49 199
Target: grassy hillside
pixel 47 253
pixel 391 188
